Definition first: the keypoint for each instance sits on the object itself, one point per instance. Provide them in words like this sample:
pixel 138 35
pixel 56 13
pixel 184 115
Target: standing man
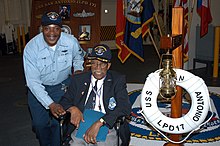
pixel 48 61
pixel 103 91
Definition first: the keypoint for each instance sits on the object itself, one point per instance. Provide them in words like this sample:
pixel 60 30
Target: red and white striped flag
pixel 203 9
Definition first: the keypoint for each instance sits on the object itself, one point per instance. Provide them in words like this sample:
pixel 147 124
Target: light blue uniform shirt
pixel 45 66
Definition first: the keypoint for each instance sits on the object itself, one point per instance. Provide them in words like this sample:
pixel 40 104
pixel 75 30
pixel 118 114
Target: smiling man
pixel 48 61
pixel 100 91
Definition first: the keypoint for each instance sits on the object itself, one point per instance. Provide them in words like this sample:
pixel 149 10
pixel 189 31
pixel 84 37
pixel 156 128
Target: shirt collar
pixel 93 79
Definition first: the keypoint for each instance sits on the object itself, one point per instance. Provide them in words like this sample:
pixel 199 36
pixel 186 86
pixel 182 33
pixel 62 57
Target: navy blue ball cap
pixel 101 52
pixel 51 18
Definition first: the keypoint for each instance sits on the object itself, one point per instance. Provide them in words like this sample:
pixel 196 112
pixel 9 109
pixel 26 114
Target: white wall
pixel 2 16
pixel 108 19
pixel 17 12
pixel 215 10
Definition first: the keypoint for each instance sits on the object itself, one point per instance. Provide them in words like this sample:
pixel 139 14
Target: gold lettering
pixel 195 141
pixel 93 4
pixel 203 140
pixel 217 138
pixel 211 139
pixel 58 2
pixel 151 134
pixel 40 6
pixel 189 141
pixel 158 138
pixel 151 138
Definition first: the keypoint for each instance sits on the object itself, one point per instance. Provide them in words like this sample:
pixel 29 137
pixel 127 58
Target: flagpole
pixel 155 46
pixel 158 24
pixel 190 17
pixel 165 17
pixel 216 52
pixel 176 103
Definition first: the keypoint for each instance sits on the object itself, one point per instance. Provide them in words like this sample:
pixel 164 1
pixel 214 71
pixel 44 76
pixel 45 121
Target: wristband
pixel 102 121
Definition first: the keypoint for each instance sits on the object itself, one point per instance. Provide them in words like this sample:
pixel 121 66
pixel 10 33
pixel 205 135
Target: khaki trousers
pixel 111 140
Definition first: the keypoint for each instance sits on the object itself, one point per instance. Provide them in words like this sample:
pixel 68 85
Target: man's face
pixel 99 68
pixel 51 34
pixel 84 29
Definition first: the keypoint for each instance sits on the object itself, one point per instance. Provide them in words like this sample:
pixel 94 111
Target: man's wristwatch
pixel 102 121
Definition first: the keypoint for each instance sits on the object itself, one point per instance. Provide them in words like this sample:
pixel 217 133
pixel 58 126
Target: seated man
pixel 110 98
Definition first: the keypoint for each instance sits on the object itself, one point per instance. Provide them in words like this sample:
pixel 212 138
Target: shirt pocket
pixel 64 60
pixel 45 65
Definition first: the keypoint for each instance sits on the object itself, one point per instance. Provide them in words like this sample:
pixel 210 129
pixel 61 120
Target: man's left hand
pixel 92 132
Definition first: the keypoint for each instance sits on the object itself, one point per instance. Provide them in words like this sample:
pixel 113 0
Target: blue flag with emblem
pixel 138 14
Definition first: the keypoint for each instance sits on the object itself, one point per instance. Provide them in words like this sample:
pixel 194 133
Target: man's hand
pixel 92 132
pixel 56 109
pixel 76 116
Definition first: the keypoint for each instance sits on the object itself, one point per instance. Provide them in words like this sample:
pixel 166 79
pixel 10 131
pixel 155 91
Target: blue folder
pixel 90 117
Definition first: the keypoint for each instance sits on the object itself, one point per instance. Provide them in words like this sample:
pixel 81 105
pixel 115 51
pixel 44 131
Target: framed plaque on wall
pixel 78 17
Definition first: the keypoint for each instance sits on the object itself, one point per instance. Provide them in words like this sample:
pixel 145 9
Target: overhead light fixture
pixel 106 11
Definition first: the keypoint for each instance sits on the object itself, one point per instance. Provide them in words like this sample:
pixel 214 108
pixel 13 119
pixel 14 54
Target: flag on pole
pixel 133 17
pixel 124 52
pixel 186 29
pixel 203 9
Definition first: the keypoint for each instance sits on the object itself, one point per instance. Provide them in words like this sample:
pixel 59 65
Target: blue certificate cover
pixel 90 117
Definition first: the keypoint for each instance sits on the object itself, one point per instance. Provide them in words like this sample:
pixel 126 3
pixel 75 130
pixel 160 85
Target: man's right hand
pixel 76 116
pixel 56 109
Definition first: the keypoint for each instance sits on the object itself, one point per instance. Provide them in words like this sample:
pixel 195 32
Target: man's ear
pixel 109 65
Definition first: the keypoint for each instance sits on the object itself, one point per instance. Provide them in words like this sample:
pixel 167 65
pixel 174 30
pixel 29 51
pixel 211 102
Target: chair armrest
pixel 66 128
pixel 119 121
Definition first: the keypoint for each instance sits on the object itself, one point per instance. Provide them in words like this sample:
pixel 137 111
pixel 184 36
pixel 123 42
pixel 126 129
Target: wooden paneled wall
pixel 82 12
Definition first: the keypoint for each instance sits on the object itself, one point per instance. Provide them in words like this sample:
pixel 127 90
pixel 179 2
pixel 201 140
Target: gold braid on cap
pixel 102 59
pixel 99 50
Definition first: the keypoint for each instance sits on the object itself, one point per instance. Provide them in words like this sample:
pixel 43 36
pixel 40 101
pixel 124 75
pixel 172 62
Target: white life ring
pixel 198 92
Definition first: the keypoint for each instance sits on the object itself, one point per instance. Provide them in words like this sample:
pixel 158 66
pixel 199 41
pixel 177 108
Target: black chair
pixel 118 123
pixel 66 128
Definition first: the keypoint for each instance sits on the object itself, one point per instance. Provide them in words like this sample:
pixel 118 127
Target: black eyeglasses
pixel 102 64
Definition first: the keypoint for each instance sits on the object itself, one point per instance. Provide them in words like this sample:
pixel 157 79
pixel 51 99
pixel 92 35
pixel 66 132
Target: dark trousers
pixel 45 126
